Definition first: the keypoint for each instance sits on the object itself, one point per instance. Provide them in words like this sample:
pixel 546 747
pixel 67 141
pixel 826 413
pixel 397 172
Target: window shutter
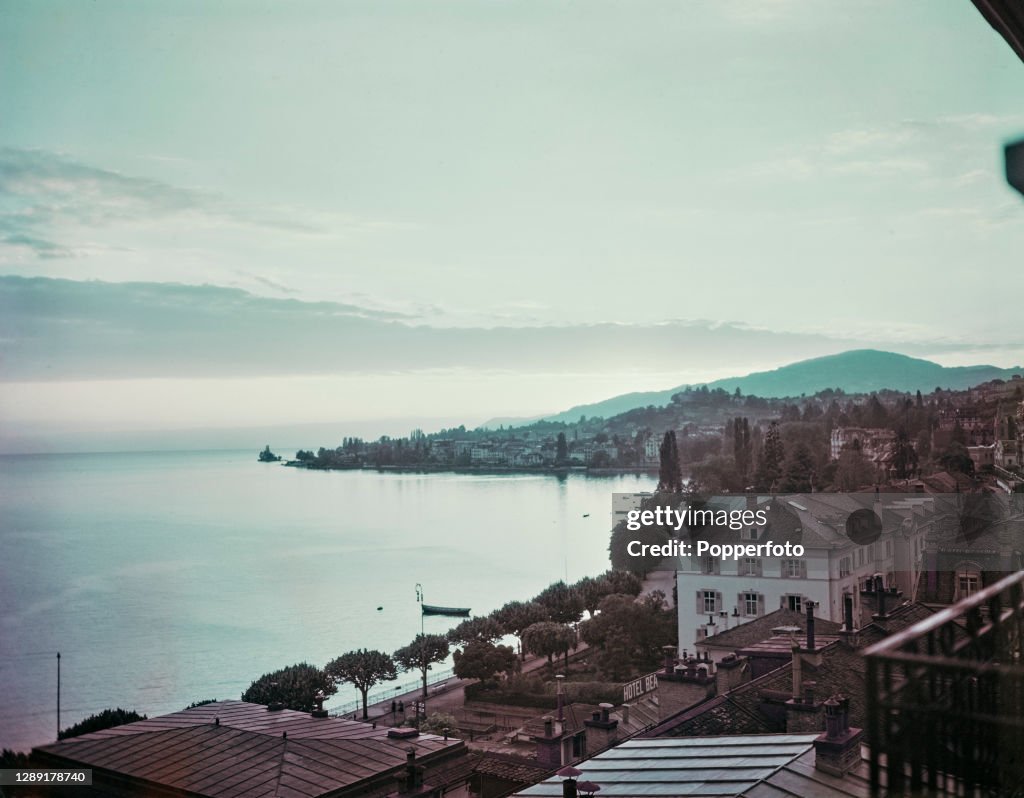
pixel 740 603
pixel 760 604
pixel 718 602
pixel 782 602
pixel 803 569
pixel 760 567
pixel 700 602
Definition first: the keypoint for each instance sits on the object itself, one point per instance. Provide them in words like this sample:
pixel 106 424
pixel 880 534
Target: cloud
pixel 950 156
pixel 45 197
pixel 71 330
pixel 41 247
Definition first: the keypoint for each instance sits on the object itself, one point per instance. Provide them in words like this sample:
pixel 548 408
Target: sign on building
pixel 640 687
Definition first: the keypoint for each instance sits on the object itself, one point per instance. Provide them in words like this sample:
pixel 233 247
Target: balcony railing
pixel 946 700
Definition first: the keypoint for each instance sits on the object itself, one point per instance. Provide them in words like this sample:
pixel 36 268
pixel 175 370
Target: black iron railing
pixel 946 700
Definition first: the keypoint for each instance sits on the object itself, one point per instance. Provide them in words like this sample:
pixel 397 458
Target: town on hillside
pixel 726 442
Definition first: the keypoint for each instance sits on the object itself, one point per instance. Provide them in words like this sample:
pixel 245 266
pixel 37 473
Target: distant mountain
pixel 856 371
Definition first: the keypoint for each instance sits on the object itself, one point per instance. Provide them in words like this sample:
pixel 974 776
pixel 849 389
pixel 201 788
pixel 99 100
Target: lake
pixel 170 577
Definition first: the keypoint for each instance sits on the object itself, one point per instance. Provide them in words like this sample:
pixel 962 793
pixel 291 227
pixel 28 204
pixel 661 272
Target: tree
pixel 421 653
pixel 924 444
pixel 618 548
pixel 440 723
pixel 741 446
pixel 877 415
pixel 107 719
pixel 363 669
pixel 592 590
pixel 628 634
pixel 772 455
pixel 670 477
pixel 904 458
pixel 600 459
pixel 13 759
pixel 483 628
pixel 799 470
pixel 563 604
pixel 294 686
pixel 545 639
pixel 716 474
pixel 516 616
pixel 957 459
pixel 484 661
pixel 561 450
pixel 853 470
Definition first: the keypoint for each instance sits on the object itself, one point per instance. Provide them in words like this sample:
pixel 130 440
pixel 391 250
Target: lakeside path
pixel 451 694
pixel 444 697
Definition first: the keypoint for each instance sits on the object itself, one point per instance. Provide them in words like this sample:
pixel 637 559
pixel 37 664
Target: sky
pixel 380 215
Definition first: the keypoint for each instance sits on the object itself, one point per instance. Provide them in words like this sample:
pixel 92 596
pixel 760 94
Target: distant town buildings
pixel 874 444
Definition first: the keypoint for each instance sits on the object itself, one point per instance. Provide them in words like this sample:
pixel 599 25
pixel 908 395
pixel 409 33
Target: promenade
pixel 450 694
pixel 444 696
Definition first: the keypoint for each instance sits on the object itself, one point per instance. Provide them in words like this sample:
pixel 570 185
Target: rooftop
pixel 692 767
pixel 234 748
pixel 761 629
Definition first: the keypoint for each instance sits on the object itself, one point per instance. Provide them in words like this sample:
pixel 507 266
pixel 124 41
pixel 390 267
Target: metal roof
pixel 692 767
pixel 233 748
pixel 799 778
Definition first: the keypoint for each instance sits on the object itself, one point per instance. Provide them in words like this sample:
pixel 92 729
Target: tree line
pixel 545 626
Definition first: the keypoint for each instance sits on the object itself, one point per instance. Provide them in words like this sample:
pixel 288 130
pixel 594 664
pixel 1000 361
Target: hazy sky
pixel 256 213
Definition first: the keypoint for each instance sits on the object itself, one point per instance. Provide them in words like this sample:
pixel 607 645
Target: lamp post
pixel 423 649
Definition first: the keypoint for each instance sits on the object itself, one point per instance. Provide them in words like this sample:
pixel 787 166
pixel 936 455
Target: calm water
pixel 167 578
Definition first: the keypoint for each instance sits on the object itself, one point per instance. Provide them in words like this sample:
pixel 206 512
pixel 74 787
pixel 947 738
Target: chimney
pixel 602 730
pixel 569 788
pixel 810 626
pixel 802 713
pixel 849 631
pixel 669 653
pixel 837 751
pixel 798 687
pixel 559 681
pixel 732 672
pixel 549 745
pixel 880 592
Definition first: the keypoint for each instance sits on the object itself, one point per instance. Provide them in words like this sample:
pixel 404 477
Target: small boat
pixel 455 612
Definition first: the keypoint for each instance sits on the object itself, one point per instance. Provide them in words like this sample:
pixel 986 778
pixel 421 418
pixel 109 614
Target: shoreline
pixel 436 469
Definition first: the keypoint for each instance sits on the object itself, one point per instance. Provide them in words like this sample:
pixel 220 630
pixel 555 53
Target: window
pixel 707 601
pixel 750 566
pixel 844 567
pixel 968 579
pixel 794 569
pixel 749 534
pixel 794 603
pixel 709 565
pixel 751 603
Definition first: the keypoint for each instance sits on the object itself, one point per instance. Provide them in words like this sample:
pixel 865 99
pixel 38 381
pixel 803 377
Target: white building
pixel 715 595
pixel 873 443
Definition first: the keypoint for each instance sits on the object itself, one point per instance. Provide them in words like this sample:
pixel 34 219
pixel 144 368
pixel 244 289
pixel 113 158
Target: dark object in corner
pixel 1015 164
